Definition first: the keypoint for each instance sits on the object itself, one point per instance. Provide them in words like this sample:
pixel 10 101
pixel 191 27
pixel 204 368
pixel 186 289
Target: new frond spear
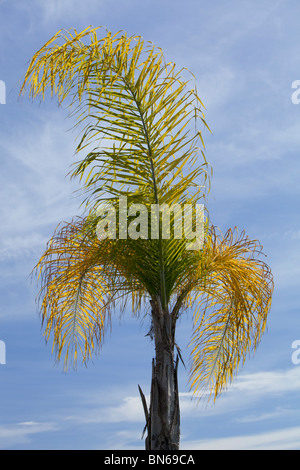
pixel 139 128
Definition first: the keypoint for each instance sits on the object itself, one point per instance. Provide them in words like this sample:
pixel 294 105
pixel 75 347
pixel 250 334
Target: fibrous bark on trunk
pixel 163 417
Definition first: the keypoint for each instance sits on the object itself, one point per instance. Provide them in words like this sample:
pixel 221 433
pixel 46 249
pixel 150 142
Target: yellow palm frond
pixel 133 105
pixel 75 293
pixel 82 281
pixel 232 295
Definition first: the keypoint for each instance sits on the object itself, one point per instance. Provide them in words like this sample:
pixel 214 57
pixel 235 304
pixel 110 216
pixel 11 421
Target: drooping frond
pixel 83 280
pixel 232 298
pixel 75 293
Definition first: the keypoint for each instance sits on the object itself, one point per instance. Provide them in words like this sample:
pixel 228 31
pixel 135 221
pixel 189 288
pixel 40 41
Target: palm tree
pixel 138 118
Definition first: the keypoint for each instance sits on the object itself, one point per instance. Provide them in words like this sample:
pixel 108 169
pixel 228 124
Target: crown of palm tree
pixel 138 120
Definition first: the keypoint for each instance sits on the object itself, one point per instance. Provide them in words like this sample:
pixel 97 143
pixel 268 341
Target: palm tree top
pixel 139 128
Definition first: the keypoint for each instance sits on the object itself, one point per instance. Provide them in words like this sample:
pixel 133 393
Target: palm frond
pixel 138 109
pixel 232 298
pixel 75 293
pixel 82 281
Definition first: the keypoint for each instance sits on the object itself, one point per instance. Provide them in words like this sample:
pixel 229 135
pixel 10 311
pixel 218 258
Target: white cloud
pixel 278 412
pixel 124 440
pixel 281 439
pixel 268 382
pixel 292 234
pixel 18 246
pixel 259 392
pixel 255 162
pixel 129 409
pixel 246 390
pixel 216 88
pixel 13 435
pixel 55 10
pixel 34 183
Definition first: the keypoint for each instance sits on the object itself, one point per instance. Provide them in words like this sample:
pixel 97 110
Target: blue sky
pixel 245 55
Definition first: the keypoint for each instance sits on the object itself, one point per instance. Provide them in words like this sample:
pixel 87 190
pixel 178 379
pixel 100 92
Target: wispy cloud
pixel 247 389
pixel 34 184
pixel 278 412
pixel 281 439
pixel 55 10
pixel 19 246
pixel 128 409
pixel 12 435
pixel 268 382
pixel 259 392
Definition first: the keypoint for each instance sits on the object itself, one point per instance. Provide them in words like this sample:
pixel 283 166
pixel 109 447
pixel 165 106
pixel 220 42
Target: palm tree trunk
pixel 163 419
